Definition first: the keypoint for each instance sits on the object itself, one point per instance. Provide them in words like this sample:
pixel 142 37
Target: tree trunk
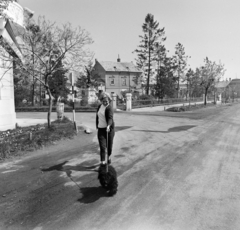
pixel 50 107
pixel 205 97
pixel 33 93
pixel 149 63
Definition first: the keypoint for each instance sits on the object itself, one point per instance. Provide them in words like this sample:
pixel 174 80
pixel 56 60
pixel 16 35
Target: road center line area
pixel 175 171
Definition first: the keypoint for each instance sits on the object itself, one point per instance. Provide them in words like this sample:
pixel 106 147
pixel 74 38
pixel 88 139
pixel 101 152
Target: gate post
pixel 114 101
pixel 129 102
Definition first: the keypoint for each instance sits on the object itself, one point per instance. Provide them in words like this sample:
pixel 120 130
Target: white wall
pixel 7 106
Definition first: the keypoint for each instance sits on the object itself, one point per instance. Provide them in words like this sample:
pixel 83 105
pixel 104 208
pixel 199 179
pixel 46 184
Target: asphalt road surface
pixel 176 171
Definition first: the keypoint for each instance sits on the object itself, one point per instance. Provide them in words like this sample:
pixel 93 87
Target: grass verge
pixel 16 142
pixel 188 107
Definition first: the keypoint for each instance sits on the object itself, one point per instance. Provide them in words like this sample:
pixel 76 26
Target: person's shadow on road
pixel 92 194
pixel 89 194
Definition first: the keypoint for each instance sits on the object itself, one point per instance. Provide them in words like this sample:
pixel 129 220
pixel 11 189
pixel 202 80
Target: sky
pixel 206 28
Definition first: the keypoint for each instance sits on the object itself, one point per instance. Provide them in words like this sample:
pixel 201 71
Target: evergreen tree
pixel 165 79
pixel 146 54
pixel 58 83
pixel 180 59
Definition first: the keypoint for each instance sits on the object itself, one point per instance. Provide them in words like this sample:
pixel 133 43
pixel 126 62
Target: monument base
pixel 7 115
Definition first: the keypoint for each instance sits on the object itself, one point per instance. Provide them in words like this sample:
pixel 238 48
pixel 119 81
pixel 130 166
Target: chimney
pixel 118 60
pixel 229 79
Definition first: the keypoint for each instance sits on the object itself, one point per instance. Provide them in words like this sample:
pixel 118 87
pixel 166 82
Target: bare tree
pixel 53 45
pixel 3 6
pixel 210 73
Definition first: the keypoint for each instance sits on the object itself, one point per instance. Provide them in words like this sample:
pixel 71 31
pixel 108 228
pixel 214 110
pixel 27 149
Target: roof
pixel 222 84
pixel 119 66
pixel 236 80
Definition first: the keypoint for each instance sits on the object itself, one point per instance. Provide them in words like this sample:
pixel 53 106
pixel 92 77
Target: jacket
pixel 108 116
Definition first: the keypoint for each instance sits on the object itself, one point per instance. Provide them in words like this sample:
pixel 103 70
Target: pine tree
pixel 165 79
pixel 146 54
pixel 180 59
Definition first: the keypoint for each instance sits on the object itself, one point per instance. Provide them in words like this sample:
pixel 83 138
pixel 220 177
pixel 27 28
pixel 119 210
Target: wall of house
pixel 231 90
pixel 234 88
pixel 7 111
pixel 122 81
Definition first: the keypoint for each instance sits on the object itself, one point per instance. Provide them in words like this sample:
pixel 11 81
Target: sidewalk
pixel 23 122
pixel 164 107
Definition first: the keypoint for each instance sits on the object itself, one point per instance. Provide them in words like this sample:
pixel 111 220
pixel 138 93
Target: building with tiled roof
pixel 228 88
pixel 222 85
pixel 118 76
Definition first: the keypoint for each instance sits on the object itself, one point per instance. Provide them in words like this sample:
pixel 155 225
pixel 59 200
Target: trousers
pixel 102 139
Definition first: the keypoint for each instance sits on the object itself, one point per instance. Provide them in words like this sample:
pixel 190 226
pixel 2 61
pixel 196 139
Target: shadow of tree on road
pixel 174 129
pixel 120 128
pixel 67 168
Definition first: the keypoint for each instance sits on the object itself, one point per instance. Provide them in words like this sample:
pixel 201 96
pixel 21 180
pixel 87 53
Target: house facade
pixel 118 76
pixel 228 89
pixel 11 29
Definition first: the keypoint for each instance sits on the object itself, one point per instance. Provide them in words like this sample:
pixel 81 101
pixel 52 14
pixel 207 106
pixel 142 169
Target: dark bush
pixel 84 102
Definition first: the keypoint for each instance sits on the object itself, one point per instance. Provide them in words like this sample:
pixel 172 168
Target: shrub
pixel 146 97
pixel 94 104
pixel 84 102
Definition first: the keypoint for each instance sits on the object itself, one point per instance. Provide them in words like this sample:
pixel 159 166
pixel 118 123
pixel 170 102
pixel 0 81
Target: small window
pixel 112 81
pixel 124 81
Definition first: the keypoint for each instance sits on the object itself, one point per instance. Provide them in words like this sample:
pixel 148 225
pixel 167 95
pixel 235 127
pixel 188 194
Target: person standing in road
pixel 105 126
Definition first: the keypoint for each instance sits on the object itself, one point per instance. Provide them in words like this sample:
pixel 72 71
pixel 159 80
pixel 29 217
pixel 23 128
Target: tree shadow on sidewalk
pixel 174 129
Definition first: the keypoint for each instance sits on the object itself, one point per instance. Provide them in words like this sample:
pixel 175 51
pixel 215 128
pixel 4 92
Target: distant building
pixel 228 88
pixel 118 76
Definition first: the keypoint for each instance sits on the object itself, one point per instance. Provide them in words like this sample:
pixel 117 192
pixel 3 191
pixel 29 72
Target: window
pixel 124 82
pixel 112 82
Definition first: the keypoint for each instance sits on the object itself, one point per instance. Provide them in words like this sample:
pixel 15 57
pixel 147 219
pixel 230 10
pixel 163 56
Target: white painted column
pixel 129 102
pixel 220 97
pixel 114 101
pixel 7 105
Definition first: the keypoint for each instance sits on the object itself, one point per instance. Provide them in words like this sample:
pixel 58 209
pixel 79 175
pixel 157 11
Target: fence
pixel 160 102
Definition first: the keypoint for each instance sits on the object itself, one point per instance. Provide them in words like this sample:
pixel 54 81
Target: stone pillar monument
pixel 7 106
pixel 129 102
pixel 11 27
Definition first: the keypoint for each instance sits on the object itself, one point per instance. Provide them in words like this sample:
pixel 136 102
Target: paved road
pixel 176 171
